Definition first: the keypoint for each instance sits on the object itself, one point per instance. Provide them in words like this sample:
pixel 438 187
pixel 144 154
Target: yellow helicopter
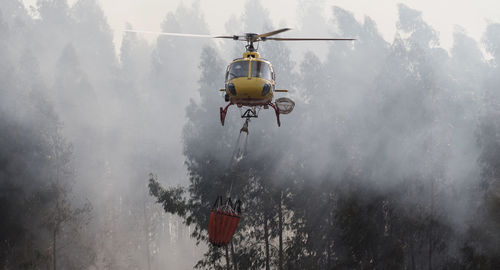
pixel 250 80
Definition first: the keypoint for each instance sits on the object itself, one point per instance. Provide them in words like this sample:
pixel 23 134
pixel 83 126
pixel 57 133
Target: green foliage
pixel 171 199
pixel 342 200
pixel 366 173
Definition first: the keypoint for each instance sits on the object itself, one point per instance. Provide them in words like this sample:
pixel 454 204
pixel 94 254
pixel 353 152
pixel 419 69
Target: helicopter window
pixel 261 70
pixel 238 69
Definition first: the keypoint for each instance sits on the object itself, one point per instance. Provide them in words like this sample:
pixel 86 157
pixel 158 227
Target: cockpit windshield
pixel 261 70
pixel 238 69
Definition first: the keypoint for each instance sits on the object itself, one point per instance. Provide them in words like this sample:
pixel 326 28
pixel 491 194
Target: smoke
pixel 402 117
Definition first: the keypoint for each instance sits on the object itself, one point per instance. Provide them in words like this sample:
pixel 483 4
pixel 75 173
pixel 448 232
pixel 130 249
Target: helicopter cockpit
pixel 261 70
pixel 258 69
pixel 237 69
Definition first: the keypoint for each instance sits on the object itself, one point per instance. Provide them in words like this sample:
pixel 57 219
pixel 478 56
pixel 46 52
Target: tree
pixel 35 185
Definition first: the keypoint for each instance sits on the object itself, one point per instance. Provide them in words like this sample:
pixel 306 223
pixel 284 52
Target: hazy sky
pixel 443 15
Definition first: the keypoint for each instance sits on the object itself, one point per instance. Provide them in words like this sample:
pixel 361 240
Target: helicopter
pixel 250 81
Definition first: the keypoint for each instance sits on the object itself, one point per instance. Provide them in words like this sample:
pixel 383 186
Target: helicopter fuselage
pixel 250 81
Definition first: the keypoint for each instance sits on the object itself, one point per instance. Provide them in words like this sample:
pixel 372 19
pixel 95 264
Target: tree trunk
pixel 54 235
pixel 266 239
pixel 146 234
pixel 57 211
pixel 280 232
pixel 430 251
pixel 235 265
pixel 227 259
pixel 412 255
pixel 431 224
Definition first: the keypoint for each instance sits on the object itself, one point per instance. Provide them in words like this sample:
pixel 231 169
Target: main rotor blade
pixel 178 34
pixel 231 37
pixel 300 39
pixel 270 33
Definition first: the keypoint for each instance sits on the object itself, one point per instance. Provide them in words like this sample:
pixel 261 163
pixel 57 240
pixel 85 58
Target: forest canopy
pixel 390 160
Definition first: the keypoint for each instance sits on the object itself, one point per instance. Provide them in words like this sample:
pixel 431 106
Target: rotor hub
pixel 251 38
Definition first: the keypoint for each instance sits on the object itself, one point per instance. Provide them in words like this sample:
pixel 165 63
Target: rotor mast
pixel 251 37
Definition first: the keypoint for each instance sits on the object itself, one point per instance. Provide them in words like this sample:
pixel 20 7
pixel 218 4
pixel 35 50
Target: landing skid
pixel 223 113
pixel 277 111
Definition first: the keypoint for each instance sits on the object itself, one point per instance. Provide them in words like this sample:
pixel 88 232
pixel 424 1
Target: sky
pixel 471 16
